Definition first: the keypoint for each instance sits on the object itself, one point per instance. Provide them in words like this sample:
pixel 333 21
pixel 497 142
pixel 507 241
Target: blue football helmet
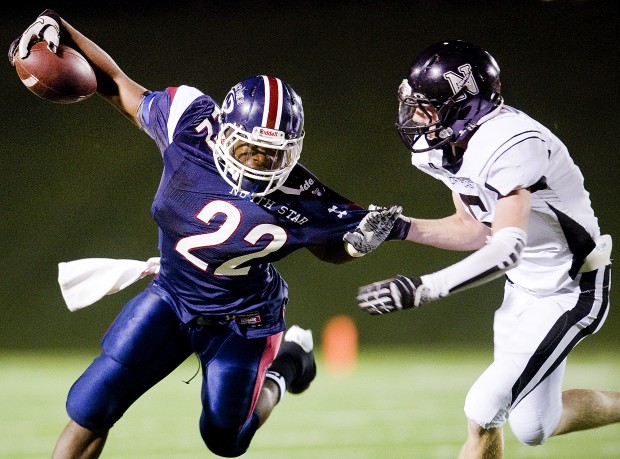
pixel 262 115
pixel 451 88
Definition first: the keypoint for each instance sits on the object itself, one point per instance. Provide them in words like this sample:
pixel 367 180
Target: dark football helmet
pixel 451 88
pixel 265 113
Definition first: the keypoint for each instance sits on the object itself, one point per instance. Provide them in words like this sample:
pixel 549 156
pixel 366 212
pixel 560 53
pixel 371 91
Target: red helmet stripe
pixel 273 102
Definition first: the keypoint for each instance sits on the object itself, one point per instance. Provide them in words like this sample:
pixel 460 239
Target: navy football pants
pixel 146 342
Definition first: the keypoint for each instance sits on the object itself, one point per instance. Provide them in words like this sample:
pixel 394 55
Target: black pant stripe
pixel 548 348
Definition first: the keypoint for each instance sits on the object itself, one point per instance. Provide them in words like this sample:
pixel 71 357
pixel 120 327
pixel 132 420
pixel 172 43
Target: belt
pixel 245 319
pixel 210 321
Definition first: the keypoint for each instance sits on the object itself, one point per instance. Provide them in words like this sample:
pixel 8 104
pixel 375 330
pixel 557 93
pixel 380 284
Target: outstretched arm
pixel 377 226
pixel 501 253
pixel 112 83
pixel 459 231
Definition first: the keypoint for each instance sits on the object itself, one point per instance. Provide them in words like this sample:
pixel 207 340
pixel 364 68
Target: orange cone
pixel 340 345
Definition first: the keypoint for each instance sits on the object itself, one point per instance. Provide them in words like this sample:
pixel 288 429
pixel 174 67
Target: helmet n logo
pixel 464 80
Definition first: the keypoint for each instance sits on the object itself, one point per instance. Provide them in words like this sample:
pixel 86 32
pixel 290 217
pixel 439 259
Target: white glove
pixel 392 295
pixel 47 27
pixel 374 228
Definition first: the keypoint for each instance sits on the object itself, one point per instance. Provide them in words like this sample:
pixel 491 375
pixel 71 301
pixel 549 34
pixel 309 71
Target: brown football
pixel 64 77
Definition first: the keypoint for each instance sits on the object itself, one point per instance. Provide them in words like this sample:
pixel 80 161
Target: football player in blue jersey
pixel 233 198
pixel 521 207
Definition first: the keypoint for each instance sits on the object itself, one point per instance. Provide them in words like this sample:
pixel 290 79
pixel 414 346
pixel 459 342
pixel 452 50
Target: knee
pixel 97 399
pixel 486 409
pixel 228 442
pixel 218 447
pixel 529 431
pixel 532 424
pixel 529 427
pixel 222 442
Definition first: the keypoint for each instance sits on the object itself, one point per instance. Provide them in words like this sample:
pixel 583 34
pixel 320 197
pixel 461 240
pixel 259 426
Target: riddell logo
pixel 266 132
pixel 270 132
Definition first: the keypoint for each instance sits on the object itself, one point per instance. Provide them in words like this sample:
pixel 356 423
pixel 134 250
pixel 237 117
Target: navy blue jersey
pixel 217 245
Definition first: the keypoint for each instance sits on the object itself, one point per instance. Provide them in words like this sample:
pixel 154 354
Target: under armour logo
pixel 464 80
pixel 339 213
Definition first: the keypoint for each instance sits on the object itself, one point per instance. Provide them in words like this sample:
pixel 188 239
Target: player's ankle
pixel 279 381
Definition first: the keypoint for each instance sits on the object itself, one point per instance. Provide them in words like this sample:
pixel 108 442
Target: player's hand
pixel 374 228
pixel 392 295
pixel 47 27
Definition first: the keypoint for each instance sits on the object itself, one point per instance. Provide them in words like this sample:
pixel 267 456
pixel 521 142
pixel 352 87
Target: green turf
pixel 396 404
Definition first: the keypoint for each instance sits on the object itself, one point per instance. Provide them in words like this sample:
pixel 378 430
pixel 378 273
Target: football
pixel 63 77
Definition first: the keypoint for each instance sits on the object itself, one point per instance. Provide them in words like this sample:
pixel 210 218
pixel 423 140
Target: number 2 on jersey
pixel 223 233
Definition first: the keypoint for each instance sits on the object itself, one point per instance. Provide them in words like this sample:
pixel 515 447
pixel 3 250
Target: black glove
pixel 47 27
pixel 374 228
pixel 392 295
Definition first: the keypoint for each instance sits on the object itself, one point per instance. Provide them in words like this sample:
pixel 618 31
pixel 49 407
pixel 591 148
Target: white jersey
pixel 512 151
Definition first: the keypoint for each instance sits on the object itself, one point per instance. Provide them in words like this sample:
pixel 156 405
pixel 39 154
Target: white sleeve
pixel 520 165
pixel 501 253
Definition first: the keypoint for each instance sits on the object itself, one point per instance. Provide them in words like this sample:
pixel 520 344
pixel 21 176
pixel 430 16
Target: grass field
pixel 395 404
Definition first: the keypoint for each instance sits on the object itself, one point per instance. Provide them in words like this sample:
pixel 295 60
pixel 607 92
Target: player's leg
pixel 143 345
pixel 237 397
pixel 546 410
pixel 233 370
pixel 536 416
pixel 482 443
pixel 294 366
pixel 583 408
pixel 532 338
pixel 293 369
pixel 77 442
pixel 488 400
pixel 486 408
pixel 586 409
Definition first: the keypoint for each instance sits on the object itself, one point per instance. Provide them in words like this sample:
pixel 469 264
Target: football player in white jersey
pixel 522 208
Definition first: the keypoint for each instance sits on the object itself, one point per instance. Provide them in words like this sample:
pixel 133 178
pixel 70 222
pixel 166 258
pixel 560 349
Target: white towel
pixel 83 282
pixel 600 255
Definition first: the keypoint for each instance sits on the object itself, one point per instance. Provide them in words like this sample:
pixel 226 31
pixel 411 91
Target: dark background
pixel 77 180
